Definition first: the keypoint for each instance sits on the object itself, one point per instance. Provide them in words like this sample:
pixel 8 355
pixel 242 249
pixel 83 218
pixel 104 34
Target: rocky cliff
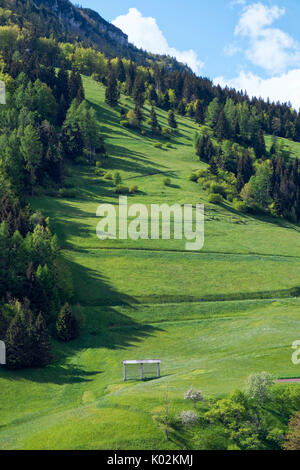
pixel 85 23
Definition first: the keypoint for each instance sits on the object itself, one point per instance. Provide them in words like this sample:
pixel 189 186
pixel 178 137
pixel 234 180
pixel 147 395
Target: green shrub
pixel 240 206
pixel 201 173
pixel 169 145
pixel 98 164
pixel 217 188
pixel 204 183
pixel 215 198
pixel 193 177
pixel 67 192
pixel 158 145
pixel 167 181
pixel 122 189
pixel 124 123
pixel 133 189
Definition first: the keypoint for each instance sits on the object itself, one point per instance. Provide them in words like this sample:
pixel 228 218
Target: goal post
pixel 141 369
pixel 2 353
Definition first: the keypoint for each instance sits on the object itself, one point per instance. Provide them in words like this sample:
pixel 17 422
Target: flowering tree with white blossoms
pixel 194 395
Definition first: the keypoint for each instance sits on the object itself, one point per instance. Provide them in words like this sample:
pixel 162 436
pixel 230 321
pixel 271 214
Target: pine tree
pixel 41 347
pixel 18 344
pixel 244 170
pixel 172 120
pixel 67 326
pixel 138 92
pixel 297 127
pixel 3 325
pixel 74 85
pixel 166 102
pixel 62 110
pixel 181 108
pixel 222 129
pixel 62 86
pixel 80 95
pixel 72 140
pixel 199 113
pixel 152 94
pixel 236 131
pixel 112 92
pixel 204 148
pixel 258 143
pixel 153 120
pixel 121 75
pixel 130 78
pixel 139 115
pixel 213 168
pixel 273 148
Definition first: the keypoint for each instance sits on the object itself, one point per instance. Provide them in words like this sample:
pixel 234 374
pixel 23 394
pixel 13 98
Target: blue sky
pixel 252 45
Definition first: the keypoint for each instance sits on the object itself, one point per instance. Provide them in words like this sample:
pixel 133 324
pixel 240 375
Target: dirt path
pixel 288 380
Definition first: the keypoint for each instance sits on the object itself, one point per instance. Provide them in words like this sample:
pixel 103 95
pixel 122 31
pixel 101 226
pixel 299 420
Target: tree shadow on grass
pixel 176 435
pixel 105 325
pixel 283 223
pixel 56 373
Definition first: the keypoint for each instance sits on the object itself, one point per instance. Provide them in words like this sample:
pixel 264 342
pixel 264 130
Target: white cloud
pixel 283 88
pixel 231 49
pixel 238 2
pixel 144 33
pixel 269 48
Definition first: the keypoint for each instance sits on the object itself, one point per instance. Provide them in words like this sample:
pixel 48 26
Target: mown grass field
pixel 212 317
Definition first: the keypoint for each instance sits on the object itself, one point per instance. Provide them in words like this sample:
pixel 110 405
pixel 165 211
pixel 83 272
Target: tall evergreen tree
pixel 153 95
pixel 62 85
pixel 112 92
pixel 139 115
pixel 153 120
pixel 121 75
pixel 181 108
pixel 297 127
pixel 213 168
pixel 258 143
pixel 244 170
pixel 204 148
pixel 75 84
pixel 166 101
pixel 41 347
pixel 18 344
pixel 222 128
pixel 130 78
pixel 67 327
pixel 138 92
pixel 3 325
pixel 172 120
pixel 199 113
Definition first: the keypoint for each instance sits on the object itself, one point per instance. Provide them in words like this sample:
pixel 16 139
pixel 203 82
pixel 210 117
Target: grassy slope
pixel 147 303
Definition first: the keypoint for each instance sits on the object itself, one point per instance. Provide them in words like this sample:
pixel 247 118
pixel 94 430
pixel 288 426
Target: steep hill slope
pixel 212 317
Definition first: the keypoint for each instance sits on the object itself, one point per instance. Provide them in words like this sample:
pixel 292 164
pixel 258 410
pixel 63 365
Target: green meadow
pixel 213 317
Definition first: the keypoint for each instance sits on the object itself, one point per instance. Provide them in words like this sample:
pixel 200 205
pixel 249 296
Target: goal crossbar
pixel 141 362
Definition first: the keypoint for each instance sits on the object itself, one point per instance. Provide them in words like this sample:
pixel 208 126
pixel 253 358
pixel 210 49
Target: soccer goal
pixel 141 369
pixel 2 353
